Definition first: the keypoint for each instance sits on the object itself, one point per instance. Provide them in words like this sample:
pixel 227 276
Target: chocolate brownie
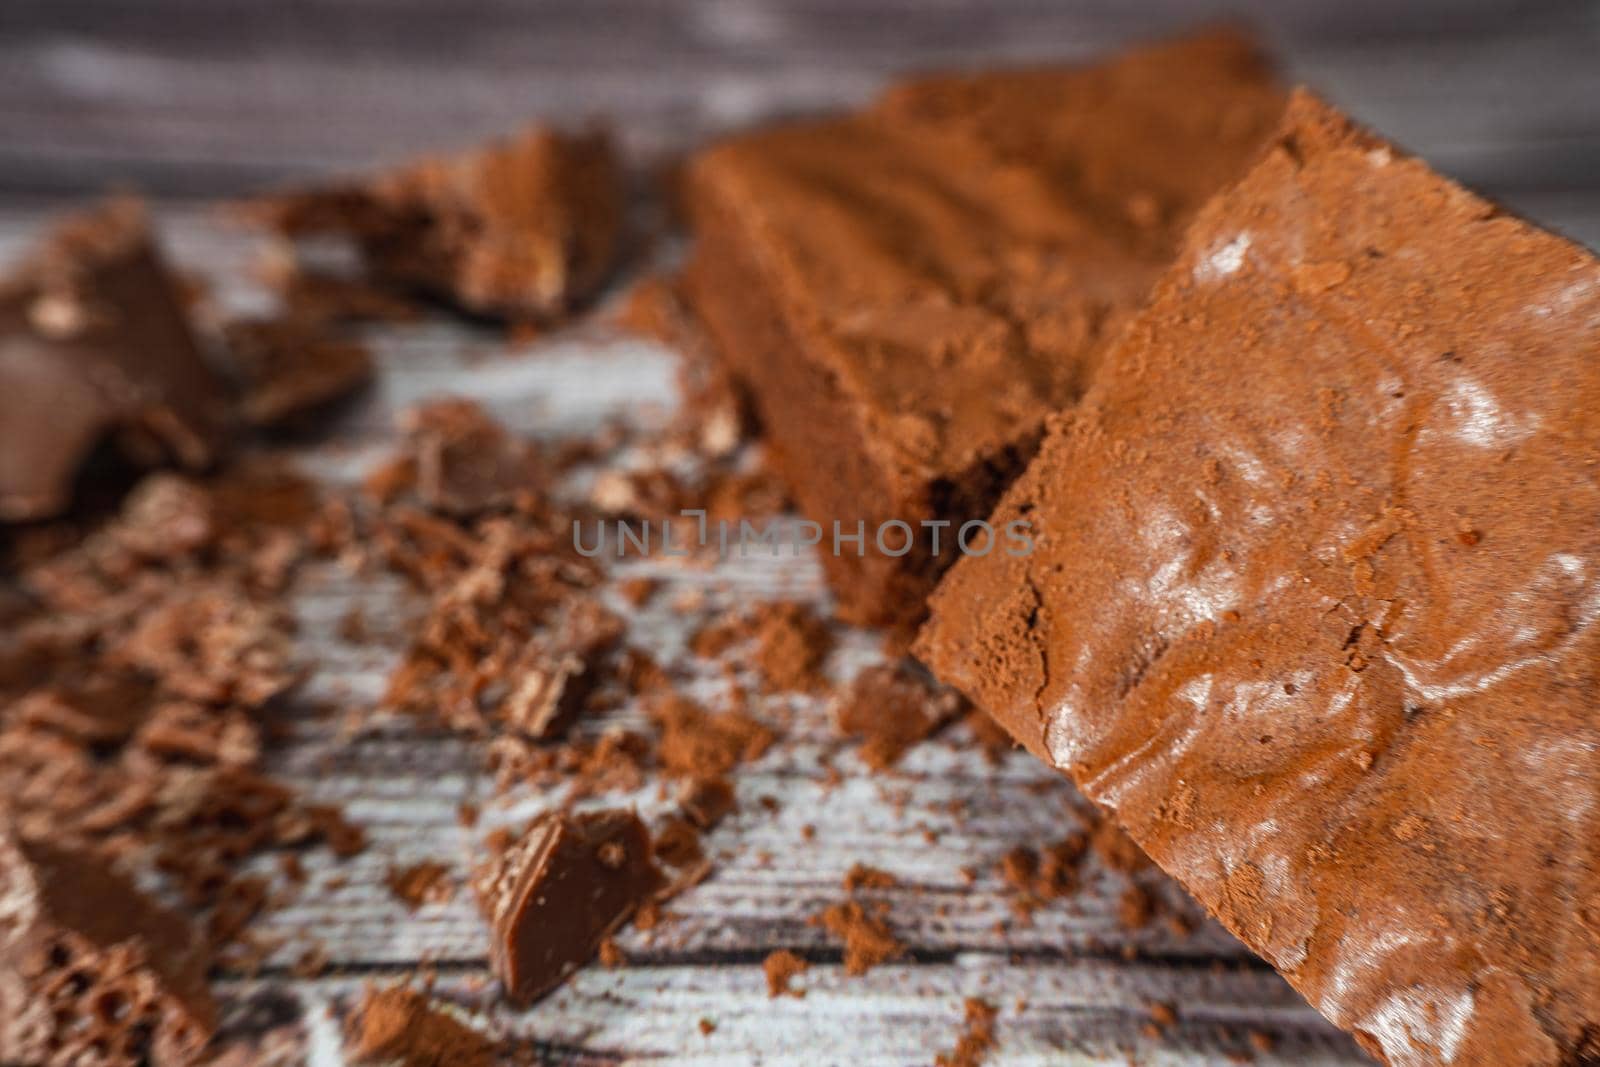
pixel 95 348
pixel 525 227
pixel 1313 607
pixel 908 291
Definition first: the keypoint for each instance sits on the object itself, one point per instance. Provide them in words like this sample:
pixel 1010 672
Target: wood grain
pixel 195 97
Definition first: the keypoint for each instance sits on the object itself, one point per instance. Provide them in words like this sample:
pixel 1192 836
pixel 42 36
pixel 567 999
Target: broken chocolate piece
pixel 550 684
pixel 94 348
pixel 289 368
pixel 522 228
pixel 1313 610
pixel 553 895
pixel 909 291
pixel 465 461
pixel 91 972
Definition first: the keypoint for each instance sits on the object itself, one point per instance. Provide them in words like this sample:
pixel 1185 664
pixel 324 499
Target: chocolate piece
pixel 909 291
pixel 402 1028
pixel 92 972
pixel 1313 603
pixel 289 368
pixel 552 681
pixel 552 896
pixel 465 461
pixel 94 346
pixel 525 227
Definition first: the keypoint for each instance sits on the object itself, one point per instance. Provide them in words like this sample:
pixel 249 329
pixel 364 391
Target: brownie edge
pixel 908 291
pixel 1313 607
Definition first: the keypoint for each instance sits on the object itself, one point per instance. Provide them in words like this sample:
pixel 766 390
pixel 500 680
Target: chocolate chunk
pixel 289 368
pixel 707 801
pixel 1252 628
pixel 553 895
pixel 525 227
pixel 94 348
pixel 549 686
pixel 465 461
pixel 91 971
pixel 907 292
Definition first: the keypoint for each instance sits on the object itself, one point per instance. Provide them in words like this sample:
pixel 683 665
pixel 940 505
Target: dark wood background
pixel 189 100
pixel 186 98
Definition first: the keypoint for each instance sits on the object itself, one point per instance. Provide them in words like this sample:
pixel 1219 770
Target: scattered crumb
pixel 890 709
pixel 977 1040
pixel 401 1028
pixel 791 644
pixel 421 883
pixel 861 876
pixel 781 968
pixel 868 941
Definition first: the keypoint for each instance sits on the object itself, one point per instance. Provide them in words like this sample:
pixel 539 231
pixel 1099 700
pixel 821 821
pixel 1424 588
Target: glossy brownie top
pixel 1314 603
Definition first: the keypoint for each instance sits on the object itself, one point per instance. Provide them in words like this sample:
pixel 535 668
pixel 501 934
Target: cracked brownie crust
pixel 908 291
pixel 1313 608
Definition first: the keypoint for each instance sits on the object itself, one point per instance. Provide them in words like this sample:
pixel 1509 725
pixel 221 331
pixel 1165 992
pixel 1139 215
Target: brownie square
pixel 1314 598
pixel 908 291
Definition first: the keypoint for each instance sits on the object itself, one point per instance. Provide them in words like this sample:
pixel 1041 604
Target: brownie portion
pixel 908 291
pixel 525 227
pixel 1313 605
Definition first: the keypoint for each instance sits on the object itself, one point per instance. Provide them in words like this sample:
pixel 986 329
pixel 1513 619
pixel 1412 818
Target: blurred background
pixel 198 98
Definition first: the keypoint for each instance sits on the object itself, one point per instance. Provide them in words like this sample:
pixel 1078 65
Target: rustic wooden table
pixel 195 99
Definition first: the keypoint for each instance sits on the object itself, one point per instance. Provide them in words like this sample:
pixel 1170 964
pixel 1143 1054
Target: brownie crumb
pixel 891 709
pixel 861 876
pixel 1041 875
pixel 677 842
pixel 977 1039
pixel 791 645
pixel 400 1027
pixel 422 883
pixel 696 742
pixel 781 968
pixel 868 941
pixel 1135 908
pixel 706 801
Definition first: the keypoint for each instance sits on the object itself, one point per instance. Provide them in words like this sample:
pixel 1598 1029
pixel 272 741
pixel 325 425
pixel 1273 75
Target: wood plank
pixel 190 98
